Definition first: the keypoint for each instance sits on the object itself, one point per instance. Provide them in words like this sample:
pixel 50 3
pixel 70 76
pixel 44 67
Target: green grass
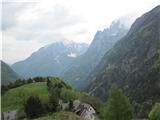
pixel 15 98
pixel 61 116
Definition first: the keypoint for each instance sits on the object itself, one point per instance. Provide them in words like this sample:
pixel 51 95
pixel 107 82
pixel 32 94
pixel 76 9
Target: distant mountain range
pixel 50 60
pixel 71 61
pixel 131 59
pixel 103 41
pixel 7 74
pixel 133 63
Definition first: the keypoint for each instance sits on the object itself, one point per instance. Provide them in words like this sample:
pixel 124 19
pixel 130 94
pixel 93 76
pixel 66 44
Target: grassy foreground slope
pixel 15 98
pixel 61 116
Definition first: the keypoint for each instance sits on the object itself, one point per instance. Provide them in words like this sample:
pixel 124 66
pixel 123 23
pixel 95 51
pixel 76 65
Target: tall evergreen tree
pixel 117 106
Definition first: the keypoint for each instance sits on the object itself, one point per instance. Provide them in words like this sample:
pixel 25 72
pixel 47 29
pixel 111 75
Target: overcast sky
pixel 28 25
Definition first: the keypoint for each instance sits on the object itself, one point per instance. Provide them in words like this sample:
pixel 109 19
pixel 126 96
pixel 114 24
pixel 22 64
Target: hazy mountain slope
pixel 7 74
pixel 50 60
pixel 84 64
pixel 133 63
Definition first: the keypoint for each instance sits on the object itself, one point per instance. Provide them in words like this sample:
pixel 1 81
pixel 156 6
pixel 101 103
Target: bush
pixel 49 84
pixel 34 107
pixel 39 79
pixel 20 114
pixel 54 99
pixel 66 95
pixel 70 105
pixel 29 81
pixel 155 112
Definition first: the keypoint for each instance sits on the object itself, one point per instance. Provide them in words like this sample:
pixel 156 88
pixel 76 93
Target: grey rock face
pixel 103 41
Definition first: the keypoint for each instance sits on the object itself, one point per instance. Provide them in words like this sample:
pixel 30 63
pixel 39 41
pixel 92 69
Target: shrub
pixel 155 112
pixel 34 107
pixel 54 99
pixel 49 84
pixel 66 95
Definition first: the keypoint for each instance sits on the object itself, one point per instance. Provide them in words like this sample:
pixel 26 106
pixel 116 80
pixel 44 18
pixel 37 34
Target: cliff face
pixel 84 64
pixel 133 63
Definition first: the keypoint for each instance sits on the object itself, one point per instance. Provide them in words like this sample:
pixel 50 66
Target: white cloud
pixel 17 50
pixel 30 24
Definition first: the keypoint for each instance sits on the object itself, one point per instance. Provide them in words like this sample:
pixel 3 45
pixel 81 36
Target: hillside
pixel 133 63
pixel 61 116
pixel 103 41
pixel 15 98
pixel 7 74
pixel 50 60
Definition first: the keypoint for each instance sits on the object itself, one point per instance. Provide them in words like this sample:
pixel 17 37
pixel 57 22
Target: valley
pixel 116 77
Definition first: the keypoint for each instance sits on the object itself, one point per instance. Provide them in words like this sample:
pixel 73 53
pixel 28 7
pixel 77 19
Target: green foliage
pixel 11 85
pixel 54 99
pixel 61 116
pixel 70 105
pixel 30 80
pixel 34 107
pixel 155 113
pixel 20 115
pixel 144 109
pixel 49 84
pixel 55 88
pixel 54 82
pixel 67 95
pixel 141 110
pixel 118 106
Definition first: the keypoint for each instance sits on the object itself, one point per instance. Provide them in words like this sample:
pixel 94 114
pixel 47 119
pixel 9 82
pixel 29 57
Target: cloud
pixel 14 50
pixel 9 13
pixel 8 18
pixel 30 24
pixel 37 25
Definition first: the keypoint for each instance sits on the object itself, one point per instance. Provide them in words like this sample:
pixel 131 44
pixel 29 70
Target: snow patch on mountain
pixel 72 55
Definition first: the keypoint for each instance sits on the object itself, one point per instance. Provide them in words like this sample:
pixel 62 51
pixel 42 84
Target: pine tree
pixel 118 106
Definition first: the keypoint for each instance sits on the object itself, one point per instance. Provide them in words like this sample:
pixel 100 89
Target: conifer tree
pixel 117 106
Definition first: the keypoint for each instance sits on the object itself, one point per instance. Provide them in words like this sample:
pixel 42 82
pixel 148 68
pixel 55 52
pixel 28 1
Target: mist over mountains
pixel 50 60
pixel 71 61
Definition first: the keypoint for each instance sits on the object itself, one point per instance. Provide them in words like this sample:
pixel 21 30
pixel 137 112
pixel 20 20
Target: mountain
pixel 84 64
pixel 7 74
pixel 133 63
pixel 50 60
